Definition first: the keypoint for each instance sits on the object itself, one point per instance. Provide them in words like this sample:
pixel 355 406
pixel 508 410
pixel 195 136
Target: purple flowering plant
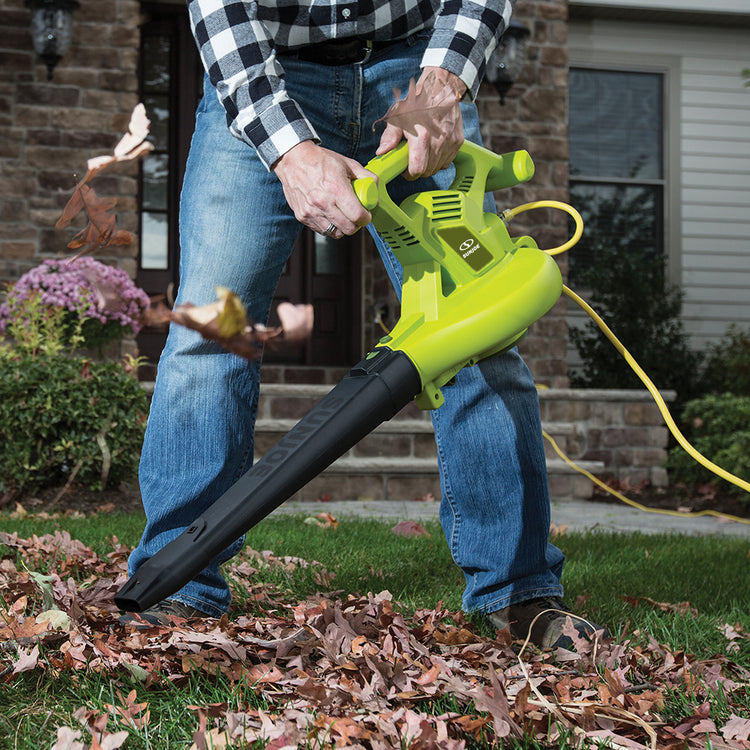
pixel 100 300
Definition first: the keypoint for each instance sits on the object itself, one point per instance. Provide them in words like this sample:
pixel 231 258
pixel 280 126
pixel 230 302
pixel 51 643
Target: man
pixel 291 93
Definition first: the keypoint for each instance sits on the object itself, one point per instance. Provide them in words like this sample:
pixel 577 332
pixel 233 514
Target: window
pixel 155 170
pixel 170 87
pixel 617 161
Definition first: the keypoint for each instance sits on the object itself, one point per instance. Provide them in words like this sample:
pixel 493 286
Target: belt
pixel 341 51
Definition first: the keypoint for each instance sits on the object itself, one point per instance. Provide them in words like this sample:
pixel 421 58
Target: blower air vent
pixel 446 207
pixel 399 237
pixel 465 185
pixel 405 237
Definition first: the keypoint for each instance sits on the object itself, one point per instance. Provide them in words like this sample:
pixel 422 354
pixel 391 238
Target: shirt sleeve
pixel 240 59
pixel 464 36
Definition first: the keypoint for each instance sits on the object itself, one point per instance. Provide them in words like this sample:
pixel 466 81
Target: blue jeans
pixel 237 231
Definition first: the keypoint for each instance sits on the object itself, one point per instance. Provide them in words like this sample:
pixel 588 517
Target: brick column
pixel 48 129
pixel 535 117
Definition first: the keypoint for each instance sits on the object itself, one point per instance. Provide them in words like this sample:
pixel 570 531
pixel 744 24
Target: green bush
pixel 628 292
pixel 718 426
pixel 618 267
pixel 66 416
pixel 63 418
pixel 727 368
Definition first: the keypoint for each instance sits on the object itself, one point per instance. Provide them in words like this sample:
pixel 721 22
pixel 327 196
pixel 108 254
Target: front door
pixel 320 271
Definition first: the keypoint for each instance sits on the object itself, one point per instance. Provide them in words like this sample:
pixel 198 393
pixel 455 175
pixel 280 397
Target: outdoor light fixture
pixel 51 29
pixel 507 59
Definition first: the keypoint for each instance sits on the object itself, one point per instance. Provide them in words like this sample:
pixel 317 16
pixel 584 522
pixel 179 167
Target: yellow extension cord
pixel 507 216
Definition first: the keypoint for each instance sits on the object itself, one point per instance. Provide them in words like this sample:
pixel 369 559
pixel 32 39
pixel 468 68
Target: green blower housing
pixel 470 290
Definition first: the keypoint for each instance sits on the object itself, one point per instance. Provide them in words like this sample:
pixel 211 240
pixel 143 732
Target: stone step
pixel 409 437
pixel 405 479
pixel 288 401
pixel 397 461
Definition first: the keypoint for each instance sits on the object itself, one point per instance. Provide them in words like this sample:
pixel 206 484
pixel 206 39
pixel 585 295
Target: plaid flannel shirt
pixel 239 41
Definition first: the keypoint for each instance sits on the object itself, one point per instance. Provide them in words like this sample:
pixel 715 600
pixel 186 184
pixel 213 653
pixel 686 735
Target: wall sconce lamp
pixel 507 59
pixel 51 29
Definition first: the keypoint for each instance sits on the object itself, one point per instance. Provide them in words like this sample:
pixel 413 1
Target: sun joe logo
pixel 467 246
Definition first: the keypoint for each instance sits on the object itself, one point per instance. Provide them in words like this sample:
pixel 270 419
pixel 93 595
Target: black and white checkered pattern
pixel 239 41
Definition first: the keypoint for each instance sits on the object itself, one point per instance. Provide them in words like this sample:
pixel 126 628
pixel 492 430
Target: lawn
pixel 346 634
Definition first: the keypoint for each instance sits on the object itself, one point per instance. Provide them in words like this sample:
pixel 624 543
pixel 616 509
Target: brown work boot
pixel 162 613
pixel 545 618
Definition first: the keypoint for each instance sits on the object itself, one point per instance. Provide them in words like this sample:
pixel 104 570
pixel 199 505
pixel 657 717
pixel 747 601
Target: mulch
pixel 680 497
pixel 77 499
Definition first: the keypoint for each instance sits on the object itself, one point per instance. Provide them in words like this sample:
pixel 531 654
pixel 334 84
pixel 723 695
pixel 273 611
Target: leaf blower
pixel 469 292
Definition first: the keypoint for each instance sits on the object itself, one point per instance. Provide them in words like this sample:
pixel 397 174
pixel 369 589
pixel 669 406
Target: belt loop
pixel 368 52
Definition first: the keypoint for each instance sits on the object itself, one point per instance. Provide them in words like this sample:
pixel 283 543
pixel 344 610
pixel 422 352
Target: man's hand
pixel 318 187
pixel 434 139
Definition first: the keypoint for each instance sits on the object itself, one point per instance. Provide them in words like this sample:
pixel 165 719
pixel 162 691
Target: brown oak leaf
pixel 430 105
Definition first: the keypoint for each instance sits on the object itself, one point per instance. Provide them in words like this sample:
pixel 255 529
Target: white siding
pixel 709 179
pixel 715 186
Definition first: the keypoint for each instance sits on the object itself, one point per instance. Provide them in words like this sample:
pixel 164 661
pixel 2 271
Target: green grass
pixel 709 572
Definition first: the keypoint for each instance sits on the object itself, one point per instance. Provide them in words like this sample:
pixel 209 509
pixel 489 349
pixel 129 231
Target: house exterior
pixel 690 56
pixel 644 97
pixel 125 51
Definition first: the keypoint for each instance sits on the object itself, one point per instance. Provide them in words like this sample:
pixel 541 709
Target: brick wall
pixel 535 117
pixel 48 129
pixel 623 429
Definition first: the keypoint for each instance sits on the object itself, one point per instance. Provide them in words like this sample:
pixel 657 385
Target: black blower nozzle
pixel 371 393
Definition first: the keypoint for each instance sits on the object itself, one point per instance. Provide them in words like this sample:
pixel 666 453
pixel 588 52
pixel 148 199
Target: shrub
pixel 628 292
pixel 63 418
pixel 727 368
pixel 618 265
pixel 718 426
pixel 104 298
pixel 67 418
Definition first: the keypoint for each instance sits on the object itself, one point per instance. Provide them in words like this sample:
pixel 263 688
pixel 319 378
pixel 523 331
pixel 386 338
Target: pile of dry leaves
pixel 351 672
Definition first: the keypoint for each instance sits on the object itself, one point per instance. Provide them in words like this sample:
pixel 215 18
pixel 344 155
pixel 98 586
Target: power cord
pixel 507 216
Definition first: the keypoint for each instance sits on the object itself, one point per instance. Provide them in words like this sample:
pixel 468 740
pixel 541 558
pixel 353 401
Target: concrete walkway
pixel 576 515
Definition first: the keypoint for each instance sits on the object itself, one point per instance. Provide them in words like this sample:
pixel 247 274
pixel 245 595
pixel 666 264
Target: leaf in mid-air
pixel 132 145
pixel 431 105
pixel 231 319
pixel 101 229
pixel 225 321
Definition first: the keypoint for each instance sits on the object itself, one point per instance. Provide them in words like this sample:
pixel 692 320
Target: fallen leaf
pixel 428 497
pixel 410 528
pixel 322 521
pixel 67 739
pixel 27 660
pixel 55 619
pixel 736 728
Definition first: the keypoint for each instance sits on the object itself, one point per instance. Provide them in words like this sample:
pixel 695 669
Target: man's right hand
pixel 317 185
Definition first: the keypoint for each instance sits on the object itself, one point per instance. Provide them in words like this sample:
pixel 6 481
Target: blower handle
pixel 495 171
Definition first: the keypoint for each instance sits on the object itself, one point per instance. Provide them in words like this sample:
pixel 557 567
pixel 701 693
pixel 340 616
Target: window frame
pixel 183 56
pixel 669 68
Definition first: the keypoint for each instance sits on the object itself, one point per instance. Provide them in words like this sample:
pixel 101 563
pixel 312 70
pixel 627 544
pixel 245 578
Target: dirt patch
pixel 77 499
